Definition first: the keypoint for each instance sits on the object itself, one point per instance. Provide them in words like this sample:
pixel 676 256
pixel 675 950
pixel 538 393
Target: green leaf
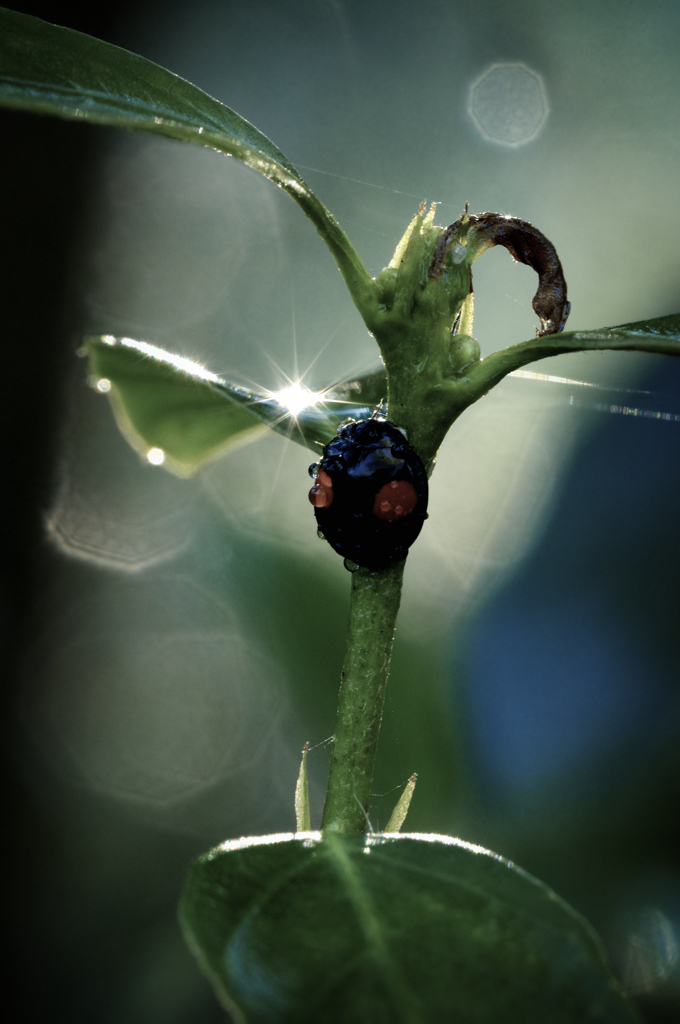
pixel 386 929
pixel 45 69
pixel 175 411
pixel 661 335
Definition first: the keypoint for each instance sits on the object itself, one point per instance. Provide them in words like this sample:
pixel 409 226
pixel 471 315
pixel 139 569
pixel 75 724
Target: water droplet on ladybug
pixel 350 565
pixel 321 494
pixel 313 470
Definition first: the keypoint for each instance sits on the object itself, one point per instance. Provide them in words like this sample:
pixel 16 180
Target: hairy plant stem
pixel 372 617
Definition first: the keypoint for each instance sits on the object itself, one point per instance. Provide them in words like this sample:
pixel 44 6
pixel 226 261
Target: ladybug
pixel 370 493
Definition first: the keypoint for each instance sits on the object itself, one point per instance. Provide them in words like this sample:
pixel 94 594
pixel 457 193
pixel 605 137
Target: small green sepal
pixel 398 816
pixel 302 816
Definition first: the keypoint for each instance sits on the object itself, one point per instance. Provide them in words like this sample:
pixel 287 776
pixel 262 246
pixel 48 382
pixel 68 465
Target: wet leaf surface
pixel 168 403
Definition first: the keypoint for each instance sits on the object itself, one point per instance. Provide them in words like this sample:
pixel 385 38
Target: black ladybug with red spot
pixel 370 493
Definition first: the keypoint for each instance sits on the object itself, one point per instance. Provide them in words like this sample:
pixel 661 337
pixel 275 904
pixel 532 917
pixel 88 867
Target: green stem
pixel 373 613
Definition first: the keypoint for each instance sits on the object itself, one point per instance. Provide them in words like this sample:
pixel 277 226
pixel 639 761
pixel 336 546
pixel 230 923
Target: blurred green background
pixel 170 645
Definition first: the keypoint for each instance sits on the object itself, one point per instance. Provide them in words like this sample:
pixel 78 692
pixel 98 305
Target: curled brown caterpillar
pixel 526 244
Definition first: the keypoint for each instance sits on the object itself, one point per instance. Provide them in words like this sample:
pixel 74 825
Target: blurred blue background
pixel 171 645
